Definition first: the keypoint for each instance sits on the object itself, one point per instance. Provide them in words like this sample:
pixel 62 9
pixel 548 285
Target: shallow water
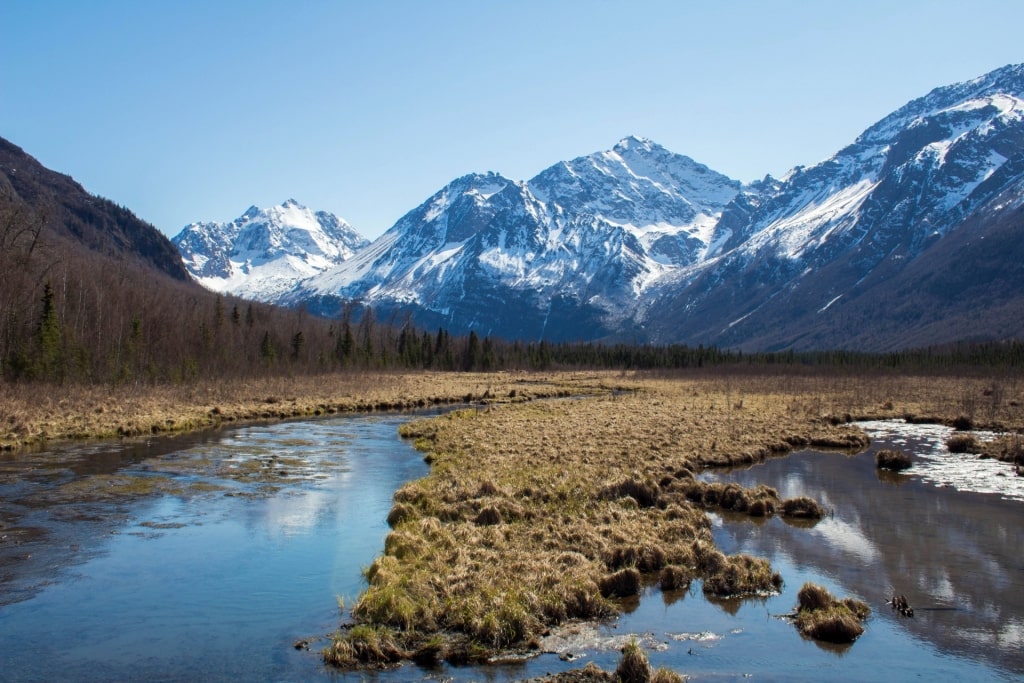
pixel 259 529
pixel 203 585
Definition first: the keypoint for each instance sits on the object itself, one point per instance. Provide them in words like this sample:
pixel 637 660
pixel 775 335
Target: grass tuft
pixel 743 575
pixel 802 507
pixel 621 584
pixel 633 667
pixel 674 578
pixel 896 461
pixel 962 443
pixel 822 617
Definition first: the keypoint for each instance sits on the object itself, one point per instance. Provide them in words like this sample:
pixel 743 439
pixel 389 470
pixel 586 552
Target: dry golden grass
pixel 538 513
pixel 36 413
pixel 822 617
pixel 894 460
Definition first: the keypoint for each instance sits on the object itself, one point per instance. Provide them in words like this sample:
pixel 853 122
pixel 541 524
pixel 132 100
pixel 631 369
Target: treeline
pixel 68 314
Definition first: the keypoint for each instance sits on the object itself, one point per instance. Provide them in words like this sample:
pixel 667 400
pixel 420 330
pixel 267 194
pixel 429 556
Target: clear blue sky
pixel 188 111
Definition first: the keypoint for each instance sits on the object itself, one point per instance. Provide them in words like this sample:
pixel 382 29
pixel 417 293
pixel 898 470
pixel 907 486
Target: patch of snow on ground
pixel 933 463
pixel 825 307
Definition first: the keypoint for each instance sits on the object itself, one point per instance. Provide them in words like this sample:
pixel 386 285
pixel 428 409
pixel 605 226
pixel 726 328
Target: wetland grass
pixel 893 460
pixel 821 616
pixel 536 514
pixel 962 443
pixel 34 413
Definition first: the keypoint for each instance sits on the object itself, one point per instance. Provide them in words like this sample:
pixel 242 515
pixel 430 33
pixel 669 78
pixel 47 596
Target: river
pixel 245 538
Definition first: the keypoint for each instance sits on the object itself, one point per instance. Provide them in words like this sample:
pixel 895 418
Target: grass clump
pixel 759 501
pixel 674 578
pixel 822 617
pixel 802 507
pixel 365 645
pixel 633 667
pixel 742 575
pixel 962 443
pixel 896 461
pixel 621 584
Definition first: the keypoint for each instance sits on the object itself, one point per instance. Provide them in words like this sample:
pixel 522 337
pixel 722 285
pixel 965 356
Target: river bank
pixel 35 414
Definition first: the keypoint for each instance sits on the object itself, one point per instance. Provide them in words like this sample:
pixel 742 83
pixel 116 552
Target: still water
pixel 202 585
pixel 252 534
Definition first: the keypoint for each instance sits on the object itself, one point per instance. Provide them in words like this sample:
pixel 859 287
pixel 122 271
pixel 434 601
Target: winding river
pixel 245 539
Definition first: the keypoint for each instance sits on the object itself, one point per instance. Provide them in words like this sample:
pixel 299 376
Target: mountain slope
pixel 637 243
pixel 562 256
pixel 69 212
pixel 265 252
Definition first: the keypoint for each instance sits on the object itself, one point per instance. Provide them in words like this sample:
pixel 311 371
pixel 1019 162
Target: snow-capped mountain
pixel 564 255
pixel 264 252
pixel 800 255
pixel 911 235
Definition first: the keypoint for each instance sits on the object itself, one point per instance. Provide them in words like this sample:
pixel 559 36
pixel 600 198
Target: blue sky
pixel 188 111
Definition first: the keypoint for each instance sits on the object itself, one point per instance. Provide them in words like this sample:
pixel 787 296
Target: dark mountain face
pixel 853 252
pixel 67 211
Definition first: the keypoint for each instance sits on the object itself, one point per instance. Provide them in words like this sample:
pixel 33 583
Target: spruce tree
pixel 49 351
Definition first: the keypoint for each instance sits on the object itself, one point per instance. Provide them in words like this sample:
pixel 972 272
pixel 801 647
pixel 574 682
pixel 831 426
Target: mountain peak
pixel 265 251
pixel 1003 77
pixel 633 142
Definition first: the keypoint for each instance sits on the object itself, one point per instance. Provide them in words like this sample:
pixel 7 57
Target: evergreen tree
pixel 268 352
pixel 49 349
pixel 346 346
pixel 472 359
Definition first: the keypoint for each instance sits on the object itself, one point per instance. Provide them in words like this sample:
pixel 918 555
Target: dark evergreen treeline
pixel 68 314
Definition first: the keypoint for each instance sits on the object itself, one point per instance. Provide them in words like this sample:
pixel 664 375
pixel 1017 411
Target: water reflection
pixel 954 554
pixel 211 584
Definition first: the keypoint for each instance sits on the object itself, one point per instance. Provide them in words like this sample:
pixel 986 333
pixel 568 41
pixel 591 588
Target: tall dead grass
pixel 823 617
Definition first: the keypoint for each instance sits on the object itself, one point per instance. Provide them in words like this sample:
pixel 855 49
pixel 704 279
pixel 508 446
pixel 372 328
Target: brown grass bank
pixel 34 413
pixel 540 513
